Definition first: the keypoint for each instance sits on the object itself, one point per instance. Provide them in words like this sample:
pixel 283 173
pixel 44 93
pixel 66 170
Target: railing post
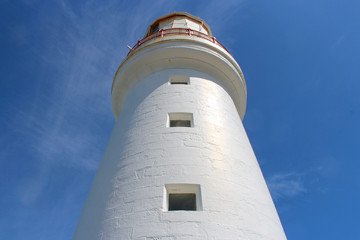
pixel 214 39
pixel 189 31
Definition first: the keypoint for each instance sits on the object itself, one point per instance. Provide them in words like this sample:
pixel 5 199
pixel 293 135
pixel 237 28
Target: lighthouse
pixel 179 164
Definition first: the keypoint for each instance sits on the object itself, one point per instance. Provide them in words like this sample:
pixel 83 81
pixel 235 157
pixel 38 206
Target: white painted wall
pixel 126 199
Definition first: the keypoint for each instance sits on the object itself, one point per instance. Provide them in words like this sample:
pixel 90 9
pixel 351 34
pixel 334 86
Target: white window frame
pixel 182 188
pixel 180 116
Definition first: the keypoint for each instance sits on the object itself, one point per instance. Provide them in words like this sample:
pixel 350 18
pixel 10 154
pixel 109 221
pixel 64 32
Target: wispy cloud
pixel 223 11
pixel 29 190
pixel 81 57
pixel 69 118
pixel 293 184
pixel 286 185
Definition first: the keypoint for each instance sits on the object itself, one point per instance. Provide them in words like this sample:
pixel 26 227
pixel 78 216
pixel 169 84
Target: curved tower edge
pixel 180 54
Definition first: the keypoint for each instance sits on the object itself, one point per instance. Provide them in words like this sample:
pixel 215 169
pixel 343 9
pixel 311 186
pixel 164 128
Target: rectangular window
pixel 180 123
pixel 180 120
pixel 182 197
pixel 182 201
pixel 179 79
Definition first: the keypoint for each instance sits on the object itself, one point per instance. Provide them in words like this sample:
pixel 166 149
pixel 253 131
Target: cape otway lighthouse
pixel 179 164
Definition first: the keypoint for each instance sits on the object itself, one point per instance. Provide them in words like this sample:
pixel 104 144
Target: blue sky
pixel 301 61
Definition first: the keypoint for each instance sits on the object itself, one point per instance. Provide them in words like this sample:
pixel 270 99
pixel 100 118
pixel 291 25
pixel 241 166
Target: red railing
pixel 176 31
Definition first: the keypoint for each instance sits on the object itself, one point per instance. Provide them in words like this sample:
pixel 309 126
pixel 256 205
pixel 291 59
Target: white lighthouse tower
pixel 179 164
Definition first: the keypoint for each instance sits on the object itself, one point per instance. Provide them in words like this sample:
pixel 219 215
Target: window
pixel 180 120
pixel 154 29
pixel 182 201
pixel 179 79
pixel 180 123
pixel 182 197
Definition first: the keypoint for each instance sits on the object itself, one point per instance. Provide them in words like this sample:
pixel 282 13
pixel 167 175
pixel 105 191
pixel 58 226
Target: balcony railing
pixel 176 31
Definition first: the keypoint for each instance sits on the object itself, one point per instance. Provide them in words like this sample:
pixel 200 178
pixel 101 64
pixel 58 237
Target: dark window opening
pixel 182 201
pixel 184 83
pixel 180 123
pixel 179 79
pixel 155 29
